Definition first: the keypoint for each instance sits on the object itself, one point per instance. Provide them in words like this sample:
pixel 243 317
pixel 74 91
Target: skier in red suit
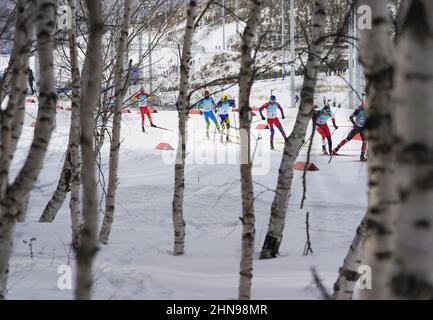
pixel 272 119
pixel 358 120
pixel 321 118
pixel 143 98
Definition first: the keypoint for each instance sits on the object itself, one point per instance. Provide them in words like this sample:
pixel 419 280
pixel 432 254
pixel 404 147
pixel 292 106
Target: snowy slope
pixel 138 264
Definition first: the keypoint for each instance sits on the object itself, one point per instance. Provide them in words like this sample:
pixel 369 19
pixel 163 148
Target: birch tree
pixel 413 263
pixel 7 23
pixel 182 105
pixel 246 79
pixel 90 89
pixel 348 274
pixel 18 85
pixel 74 133
pixel 70 174
pixel 69 180
pixel 297 137
pixel 377 57
pixel 13 196
pixel 14 112
pixel 117 120
pixel 63 187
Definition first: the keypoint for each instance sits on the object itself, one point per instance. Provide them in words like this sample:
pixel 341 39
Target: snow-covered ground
pixel 138 264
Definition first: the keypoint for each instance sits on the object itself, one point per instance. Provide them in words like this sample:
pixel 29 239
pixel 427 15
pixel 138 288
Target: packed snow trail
pixel 138 264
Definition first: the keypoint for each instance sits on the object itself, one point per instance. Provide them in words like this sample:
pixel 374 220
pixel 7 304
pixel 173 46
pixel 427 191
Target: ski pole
pixel 303 145
pixel 332 155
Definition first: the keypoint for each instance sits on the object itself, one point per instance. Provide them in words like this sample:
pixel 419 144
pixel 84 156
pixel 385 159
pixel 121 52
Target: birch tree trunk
pixel 297 137
pixel 377 57
pixel 13 115
pixel 22 214
pixel 70 175
pixel 117 121
pixel 18 87
pixel 16 193
pixel 246 79
pixel 63 187
pixel 90 90
pixel 104 120
pixel 182 104
pixel 348 274
pixel 75 131
pixel 413 263
pixel 5 81
pixel 19 57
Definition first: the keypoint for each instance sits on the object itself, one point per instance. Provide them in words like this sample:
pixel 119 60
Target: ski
pixel 346 155
pixel 162 128
pixel 341 155
pixel 228 142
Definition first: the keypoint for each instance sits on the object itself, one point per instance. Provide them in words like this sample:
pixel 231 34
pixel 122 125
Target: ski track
pixel 138 264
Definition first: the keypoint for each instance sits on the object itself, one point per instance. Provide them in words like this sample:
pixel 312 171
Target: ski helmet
pixel 273 98
pixel 223 97
pixel 206 93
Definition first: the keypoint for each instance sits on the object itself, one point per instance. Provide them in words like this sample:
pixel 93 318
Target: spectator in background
pixel 31 80
pixel 135 75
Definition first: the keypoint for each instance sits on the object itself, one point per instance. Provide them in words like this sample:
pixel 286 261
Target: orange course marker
pixel 303 166
pixel 262 126
pixel 164 146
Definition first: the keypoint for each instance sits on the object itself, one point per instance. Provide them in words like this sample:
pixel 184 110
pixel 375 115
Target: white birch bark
pixel 22 214
pixel 16 193
pixel 413 263
pixel 13 115
pixel 5 82
pixel 297 137
pixel 19 57
pixel 246 79
pixel 75 131
pixel 90 90
pixel 377 56
pixel 69 176
pixel 348 274
pixel 104 115
pixel 182 104
pixel 117 121
pixel 63 186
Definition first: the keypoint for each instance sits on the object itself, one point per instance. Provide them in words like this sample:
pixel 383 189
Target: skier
pixel 232 102
pixel 326 102
pixel 143 98
pixel 272 119
pixel 223 107
pixel 205 107
pixel 321 118
pixel 358 120
pixel 31 80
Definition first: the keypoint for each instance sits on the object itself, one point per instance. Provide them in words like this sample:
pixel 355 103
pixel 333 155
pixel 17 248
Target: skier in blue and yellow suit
pixel 223 108
pixel 205 107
